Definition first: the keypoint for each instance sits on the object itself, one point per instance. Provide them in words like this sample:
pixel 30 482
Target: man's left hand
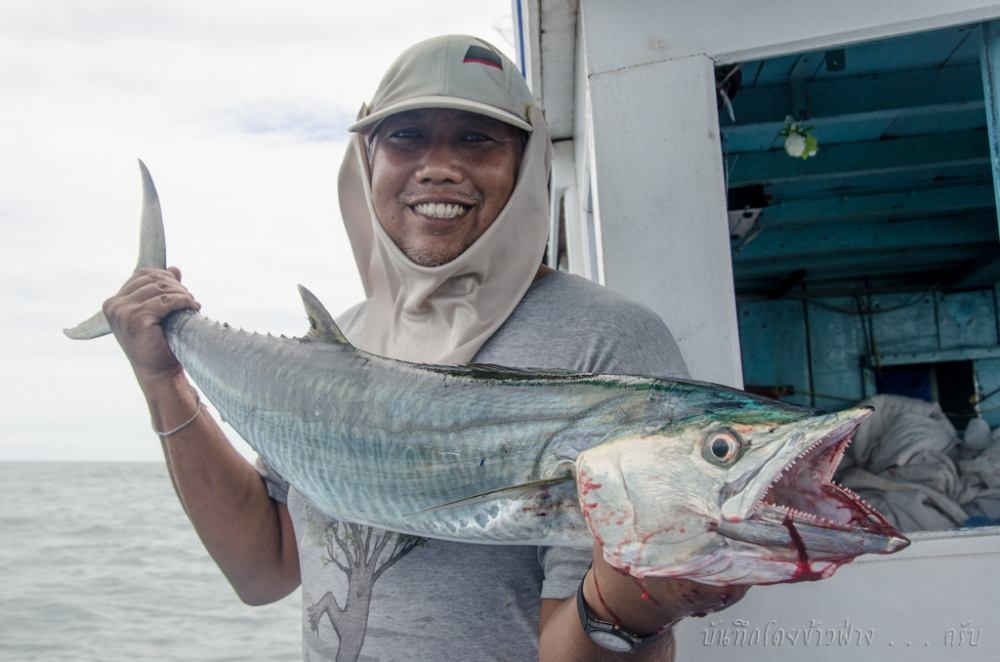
pixel 649 604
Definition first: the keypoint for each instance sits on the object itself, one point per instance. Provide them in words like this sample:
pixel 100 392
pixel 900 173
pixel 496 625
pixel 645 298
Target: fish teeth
pixel 440 209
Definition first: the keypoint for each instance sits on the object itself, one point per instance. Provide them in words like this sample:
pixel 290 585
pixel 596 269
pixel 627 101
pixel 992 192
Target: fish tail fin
pixel 152 253
pixel 322 328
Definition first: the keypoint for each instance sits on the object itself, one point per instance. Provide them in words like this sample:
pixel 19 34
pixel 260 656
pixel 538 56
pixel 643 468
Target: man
pixel 444 195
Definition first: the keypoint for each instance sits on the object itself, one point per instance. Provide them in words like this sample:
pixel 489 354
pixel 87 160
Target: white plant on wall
pixel 800 143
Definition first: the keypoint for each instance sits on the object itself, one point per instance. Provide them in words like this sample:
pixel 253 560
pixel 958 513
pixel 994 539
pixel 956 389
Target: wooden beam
pixel 838 101
pixel 859 264
pixel 863 159
pixel 939 200
pixel 936 356
pixel 851 238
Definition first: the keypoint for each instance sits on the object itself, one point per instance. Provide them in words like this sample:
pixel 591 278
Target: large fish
pixel 674 478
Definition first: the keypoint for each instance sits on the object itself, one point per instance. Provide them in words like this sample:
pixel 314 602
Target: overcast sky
pixel 239 110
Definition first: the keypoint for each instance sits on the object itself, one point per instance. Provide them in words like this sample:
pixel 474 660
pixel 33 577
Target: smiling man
pixel 444 196
pixel 441 178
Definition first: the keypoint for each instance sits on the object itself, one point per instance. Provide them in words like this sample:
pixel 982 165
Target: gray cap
pixel 454 71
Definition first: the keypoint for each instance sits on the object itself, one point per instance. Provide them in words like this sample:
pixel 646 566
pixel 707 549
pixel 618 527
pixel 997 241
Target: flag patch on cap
pixel 483 56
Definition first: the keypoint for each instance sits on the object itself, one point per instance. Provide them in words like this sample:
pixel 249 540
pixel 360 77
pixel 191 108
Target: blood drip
pixel 803 571
pixel 611 612
pixel 641 583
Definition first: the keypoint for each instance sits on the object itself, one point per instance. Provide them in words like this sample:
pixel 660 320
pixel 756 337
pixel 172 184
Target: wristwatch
pixel 610 636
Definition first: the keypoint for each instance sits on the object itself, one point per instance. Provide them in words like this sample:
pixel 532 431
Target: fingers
pixel 147 297
pixel 147 283
pixel 145 276
pixel 157 298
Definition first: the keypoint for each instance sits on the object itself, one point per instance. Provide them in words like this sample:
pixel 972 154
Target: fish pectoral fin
pixel 522 489
pixel 322 328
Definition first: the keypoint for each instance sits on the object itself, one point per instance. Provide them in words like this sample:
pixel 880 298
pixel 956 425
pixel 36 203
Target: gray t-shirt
pixel 370 594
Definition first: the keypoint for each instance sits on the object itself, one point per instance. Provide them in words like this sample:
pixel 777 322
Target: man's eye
pixel 405 134
pixel 476 136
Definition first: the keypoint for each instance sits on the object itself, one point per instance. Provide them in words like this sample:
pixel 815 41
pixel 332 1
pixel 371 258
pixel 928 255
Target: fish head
pixel 741 498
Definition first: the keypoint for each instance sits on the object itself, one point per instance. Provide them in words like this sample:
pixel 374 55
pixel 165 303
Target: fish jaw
pixel 792 522
pixel 659 509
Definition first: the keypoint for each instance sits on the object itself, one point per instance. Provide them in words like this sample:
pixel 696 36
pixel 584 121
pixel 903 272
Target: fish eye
pixel 722 447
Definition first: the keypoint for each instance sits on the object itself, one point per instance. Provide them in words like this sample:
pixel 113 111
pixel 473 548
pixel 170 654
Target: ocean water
pixel 98 562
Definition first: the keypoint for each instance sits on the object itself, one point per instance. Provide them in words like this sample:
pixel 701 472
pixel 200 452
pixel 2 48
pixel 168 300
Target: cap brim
pixel 362 125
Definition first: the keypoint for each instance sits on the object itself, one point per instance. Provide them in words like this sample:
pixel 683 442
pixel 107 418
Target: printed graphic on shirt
pixel 362 554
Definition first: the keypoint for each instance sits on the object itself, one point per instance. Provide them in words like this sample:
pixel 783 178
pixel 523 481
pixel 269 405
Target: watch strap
pixel 610 636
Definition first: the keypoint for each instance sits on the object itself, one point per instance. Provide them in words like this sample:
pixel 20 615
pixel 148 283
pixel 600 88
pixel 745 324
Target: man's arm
pixel 248 534
pixel 641 607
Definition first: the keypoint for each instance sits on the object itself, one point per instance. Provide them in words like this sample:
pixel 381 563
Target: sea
pixel 98 562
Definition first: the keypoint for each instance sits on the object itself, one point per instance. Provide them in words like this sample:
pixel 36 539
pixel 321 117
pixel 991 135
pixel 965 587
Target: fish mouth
pixel 801 491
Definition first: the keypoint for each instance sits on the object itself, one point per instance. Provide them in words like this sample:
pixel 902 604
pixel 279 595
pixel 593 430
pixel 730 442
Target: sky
pixel 240 112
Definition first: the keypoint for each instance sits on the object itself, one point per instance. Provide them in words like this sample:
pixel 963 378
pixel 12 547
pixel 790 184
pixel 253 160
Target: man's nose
pixel 441 163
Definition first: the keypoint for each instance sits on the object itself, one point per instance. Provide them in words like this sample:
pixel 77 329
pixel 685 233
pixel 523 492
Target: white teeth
pixel 439 209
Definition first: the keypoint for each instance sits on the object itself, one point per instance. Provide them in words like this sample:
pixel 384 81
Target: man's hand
pixel 134 314
pixel 643 606
pixel 249 535
pixel 647 605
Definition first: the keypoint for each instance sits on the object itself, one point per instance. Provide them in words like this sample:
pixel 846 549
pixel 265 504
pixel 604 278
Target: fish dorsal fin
pixel 491 370
pixel 514 491
pixel 322 328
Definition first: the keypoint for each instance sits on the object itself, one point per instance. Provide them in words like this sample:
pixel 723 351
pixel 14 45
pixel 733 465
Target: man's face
pixel 440 178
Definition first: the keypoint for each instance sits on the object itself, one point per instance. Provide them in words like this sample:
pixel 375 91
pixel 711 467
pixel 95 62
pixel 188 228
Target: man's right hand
pixel 249 535
pixel 134 314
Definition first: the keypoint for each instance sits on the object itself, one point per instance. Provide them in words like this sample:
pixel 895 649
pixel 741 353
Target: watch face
pixel 610 641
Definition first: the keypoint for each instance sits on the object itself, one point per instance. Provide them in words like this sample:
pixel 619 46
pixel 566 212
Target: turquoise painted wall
pixel 825 348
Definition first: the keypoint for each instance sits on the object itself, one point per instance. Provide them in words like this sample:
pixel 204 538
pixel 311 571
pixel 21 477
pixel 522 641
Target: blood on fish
pixel 803 571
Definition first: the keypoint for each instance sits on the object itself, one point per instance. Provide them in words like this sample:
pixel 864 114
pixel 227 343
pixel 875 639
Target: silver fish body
pixel 388 443
pixel 672 478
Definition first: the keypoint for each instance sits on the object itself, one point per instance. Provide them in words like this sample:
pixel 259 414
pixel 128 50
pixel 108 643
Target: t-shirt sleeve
pixel 640 344
pixel 277 487
pixel 627 338
pixel 563 569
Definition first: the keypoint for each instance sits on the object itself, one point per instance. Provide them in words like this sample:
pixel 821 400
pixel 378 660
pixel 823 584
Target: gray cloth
pixel 907 462
pixel 979 472
pixel 435 600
